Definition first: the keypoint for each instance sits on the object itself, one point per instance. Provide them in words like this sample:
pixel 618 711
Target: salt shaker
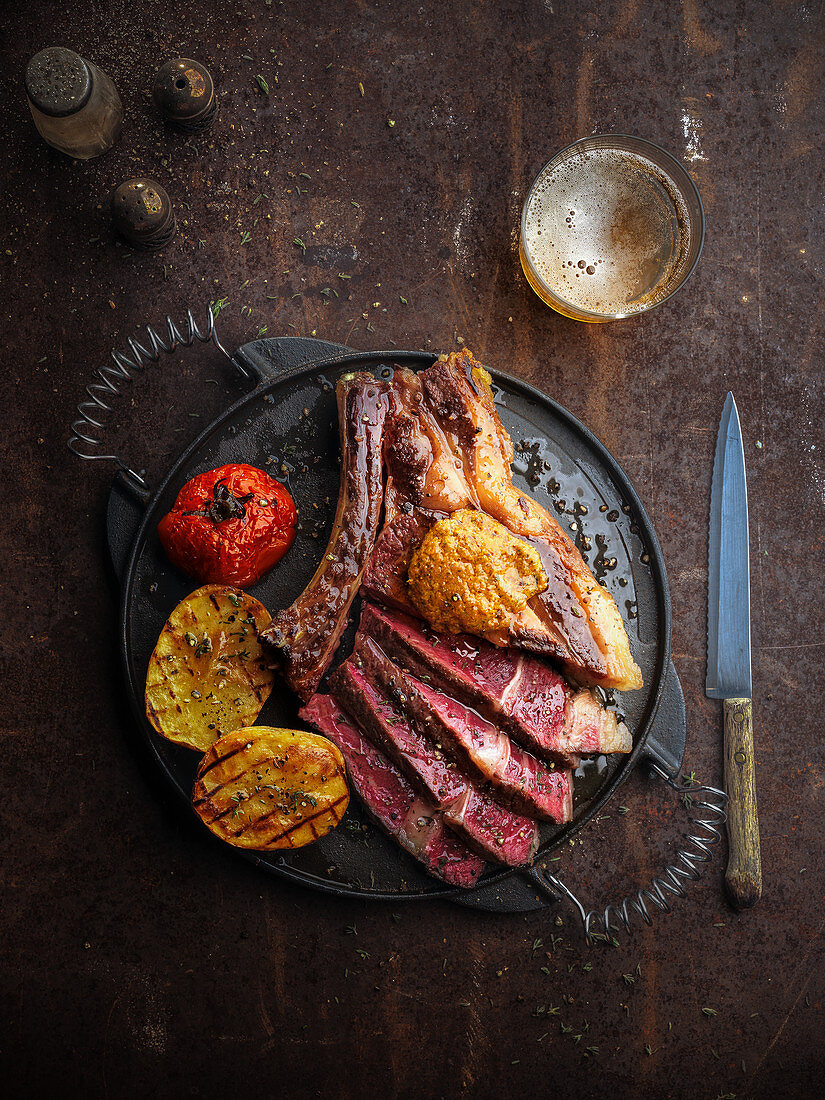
pixel 75 105
pixel 184 93
pixel 143 214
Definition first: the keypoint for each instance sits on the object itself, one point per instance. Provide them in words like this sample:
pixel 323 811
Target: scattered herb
pixel 262 84
pixel 709 1011
pixel 300 244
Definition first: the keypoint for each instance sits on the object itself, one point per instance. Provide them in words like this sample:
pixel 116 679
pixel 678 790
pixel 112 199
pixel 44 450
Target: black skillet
pixel 287 424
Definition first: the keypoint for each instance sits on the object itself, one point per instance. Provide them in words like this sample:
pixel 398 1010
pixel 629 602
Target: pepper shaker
pixel 143 214
pixel 75 106
pixel 184 94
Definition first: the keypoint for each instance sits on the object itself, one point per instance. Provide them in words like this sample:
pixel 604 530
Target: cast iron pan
pixel 288 425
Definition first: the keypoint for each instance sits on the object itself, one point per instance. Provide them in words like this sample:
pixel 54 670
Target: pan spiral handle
pixel 706 823
pixel 87 431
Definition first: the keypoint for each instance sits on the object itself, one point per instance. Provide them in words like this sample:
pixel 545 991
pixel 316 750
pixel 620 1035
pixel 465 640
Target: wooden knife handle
pixel 743 877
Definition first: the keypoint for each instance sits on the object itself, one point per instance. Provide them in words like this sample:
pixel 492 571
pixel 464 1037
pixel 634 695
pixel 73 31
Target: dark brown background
pixel 140 959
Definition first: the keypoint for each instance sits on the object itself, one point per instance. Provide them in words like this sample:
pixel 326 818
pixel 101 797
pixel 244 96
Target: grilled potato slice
pixel 268 788
pixel 208 674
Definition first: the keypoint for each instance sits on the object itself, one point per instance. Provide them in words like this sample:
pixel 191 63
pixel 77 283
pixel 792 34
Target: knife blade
pixel 729 654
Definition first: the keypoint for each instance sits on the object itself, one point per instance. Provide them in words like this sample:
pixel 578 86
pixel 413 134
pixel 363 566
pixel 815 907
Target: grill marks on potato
pixel 208 674
pixel 268 788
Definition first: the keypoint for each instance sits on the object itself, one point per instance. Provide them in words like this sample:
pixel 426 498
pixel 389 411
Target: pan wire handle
pixel 88 428
pixel 706 831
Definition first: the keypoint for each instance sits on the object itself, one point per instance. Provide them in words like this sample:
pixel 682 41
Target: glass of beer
pixel 612 226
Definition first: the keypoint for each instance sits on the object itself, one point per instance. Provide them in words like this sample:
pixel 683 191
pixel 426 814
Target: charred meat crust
pixel 306 634
pixel 385 578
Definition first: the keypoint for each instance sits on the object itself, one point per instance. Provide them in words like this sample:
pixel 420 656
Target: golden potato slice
pixel 268 788
pixel 208 674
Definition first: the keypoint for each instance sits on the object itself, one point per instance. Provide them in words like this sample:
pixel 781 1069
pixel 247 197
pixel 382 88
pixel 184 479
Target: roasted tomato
pixel 229 525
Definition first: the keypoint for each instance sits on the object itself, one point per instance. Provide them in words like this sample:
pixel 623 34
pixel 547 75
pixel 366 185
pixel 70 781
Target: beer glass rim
pixel 681 178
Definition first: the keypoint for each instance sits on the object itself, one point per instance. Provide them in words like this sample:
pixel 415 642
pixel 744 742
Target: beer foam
pixel 607 231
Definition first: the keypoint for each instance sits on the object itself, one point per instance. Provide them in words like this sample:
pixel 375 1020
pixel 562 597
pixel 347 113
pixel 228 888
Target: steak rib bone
pixel 307 633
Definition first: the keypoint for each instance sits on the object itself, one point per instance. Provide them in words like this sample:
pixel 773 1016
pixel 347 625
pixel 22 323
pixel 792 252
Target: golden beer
pixel 611 227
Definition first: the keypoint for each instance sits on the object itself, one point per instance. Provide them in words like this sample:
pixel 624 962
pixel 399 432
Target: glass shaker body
pixel 75 106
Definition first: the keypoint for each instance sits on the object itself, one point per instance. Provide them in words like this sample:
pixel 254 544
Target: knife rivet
pixel 739 757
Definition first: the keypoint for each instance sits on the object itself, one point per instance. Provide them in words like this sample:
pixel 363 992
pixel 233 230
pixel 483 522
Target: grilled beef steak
pixel 446 417
pixel 516 779
pixel 412 821
pixel 485 826
pixel 306 634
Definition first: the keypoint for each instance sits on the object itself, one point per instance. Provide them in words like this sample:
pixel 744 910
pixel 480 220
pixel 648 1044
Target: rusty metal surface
pixel 396 143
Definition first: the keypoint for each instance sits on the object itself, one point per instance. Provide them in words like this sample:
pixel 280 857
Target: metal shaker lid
pixel 58 81
pixel 143 214
pixel 183 90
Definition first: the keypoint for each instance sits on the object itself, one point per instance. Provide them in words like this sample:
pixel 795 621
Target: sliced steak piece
pixel 513 690
pixel 413 822
pixel 589 728
pixel 385 578
pixel 307 633
pixel 484 825
pixel 516 779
